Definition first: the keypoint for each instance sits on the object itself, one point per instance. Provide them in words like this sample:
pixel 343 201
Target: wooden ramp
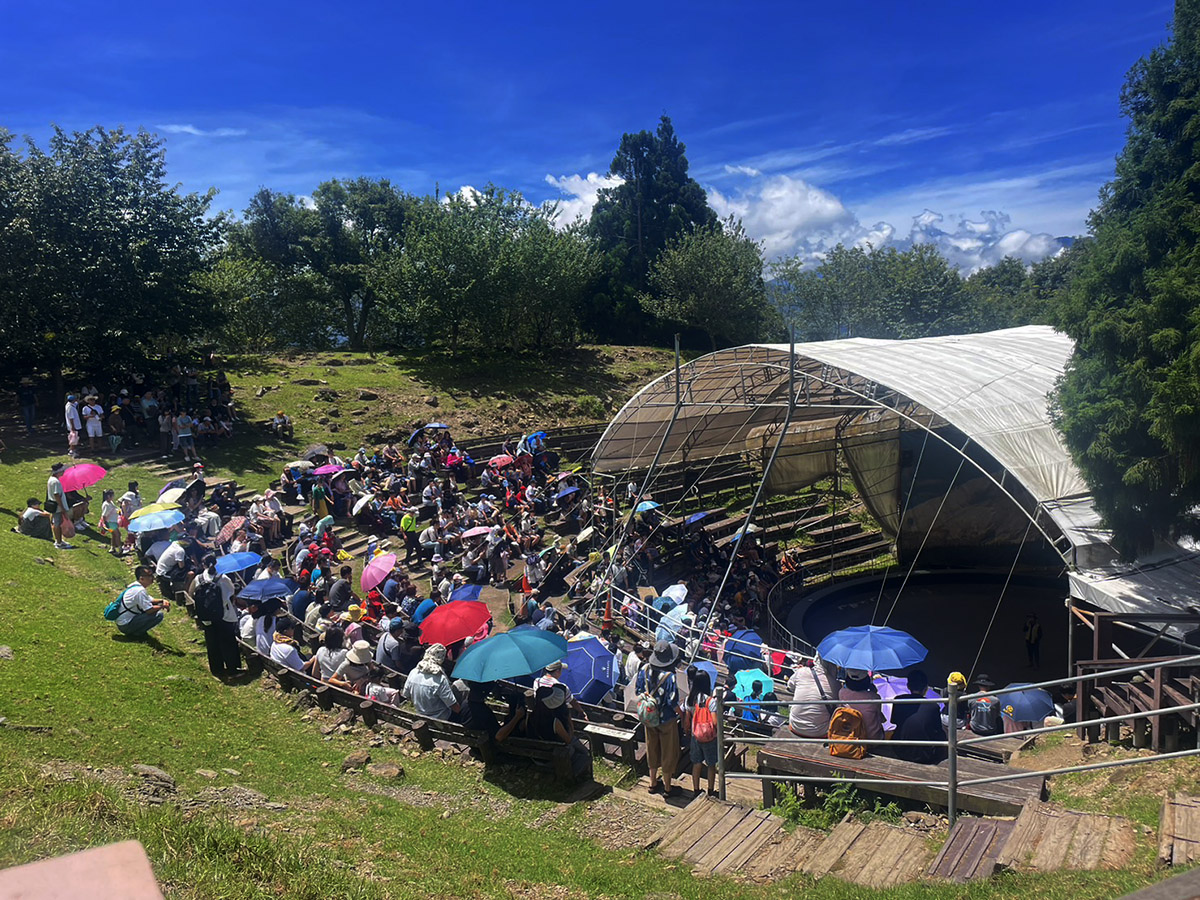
pixel 1006 798
pixel 971 850
pixel 1179 830
pixel 1047 838
pixel 722 837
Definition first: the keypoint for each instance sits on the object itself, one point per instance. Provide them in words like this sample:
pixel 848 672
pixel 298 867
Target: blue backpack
pixel 114 609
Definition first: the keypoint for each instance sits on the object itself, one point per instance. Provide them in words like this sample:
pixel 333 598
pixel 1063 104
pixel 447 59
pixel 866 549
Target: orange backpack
pixel 846 724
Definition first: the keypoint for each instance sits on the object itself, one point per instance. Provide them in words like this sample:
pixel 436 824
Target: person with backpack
pixel 700 721
pixel 659 711
pixel 858 686
pixel 138 612
pixel 212 596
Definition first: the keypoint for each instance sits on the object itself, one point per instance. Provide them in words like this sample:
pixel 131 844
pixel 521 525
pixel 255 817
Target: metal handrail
pixel 952 743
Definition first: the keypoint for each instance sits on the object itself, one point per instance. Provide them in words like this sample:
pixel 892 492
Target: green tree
pixel 99 251
pixel 656 202
pixel 1128 405
pixel 996 296
pixel 711 279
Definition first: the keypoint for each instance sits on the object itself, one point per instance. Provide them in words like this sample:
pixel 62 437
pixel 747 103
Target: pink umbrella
pixel 477 531
pixel 376 571
pixel 76 478
pixel 501 461
pixel 328 469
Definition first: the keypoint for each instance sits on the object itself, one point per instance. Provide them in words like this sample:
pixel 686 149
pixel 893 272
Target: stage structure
pixel 949 440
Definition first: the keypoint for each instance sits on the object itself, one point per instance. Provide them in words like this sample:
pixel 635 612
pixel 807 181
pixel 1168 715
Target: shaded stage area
pixel 949 613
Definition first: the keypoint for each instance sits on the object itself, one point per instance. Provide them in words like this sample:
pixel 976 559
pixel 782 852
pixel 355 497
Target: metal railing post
pixel 952 742
pixel 721 744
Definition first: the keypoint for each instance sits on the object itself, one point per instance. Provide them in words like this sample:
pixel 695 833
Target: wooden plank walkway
pixel 1179 829
pixel 971 850
pixel 1047 838
pixel 1005 798
pixel 720 837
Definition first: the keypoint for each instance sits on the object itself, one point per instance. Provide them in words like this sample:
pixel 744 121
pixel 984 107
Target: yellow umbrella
pixel 153 508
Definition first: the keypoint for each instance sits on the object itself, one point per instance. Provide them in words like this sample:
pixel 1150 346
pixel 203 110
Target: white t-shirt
pixel 328 660
pixel 55 492
pixel 812 718
pixel 71 414
pixel 136 600
pixel 264 635
pixel 171 559
pixel 246 628
pixel 287 655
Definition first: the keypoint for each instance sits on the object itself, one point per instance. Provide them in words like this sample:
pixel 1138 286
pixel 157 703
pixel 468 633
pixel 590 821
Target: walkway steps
pixel 1047 838
pixel 971 850
pixel 1179 830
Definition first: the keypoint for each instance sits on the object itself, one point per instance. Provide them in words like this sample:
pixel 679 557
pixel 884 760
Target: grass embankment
pixel 445 830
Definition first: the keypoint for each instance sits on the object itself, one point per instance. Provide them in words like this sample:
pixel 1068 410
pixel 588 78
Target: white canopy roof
pixel 993 387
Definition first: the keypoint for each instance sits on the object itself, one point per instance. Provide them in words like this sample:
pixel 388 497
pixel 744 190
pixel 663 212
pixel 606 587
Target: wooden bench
pixel 1005 798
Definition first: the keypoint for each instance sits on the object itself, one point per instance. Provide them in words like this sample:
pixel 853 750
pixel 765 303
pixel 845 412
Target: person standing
pixel 656 683
pixel 212 591
pixel 1033 641
pixel 74 424
pixel 27 396
pixel 93 418
pixel 57 506
pixel 184 423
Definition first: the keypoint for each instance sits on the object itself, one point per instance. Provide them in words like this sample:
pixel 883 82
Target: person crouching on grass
pixel 139 611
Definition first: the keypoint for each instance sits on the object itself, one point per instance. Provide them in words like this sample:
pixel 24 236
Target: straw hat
pixel 360 653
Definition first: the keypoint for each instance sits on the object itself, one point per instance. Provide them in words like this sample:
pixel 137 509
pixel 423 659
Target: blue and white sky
pixel 986 129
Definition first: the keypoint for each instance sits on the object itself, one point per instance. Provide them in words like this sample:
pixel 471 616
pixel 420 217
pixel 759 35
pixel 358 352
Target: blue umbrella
pixel 672 620
pixel 265 588
pixel 567 492
pixel 872 648
pixel 695 517
pixel 1021 703
pixel 645 506
pixel 467 592
pixel 539 434
pixel 664 604
pixel 705 666
pixel 437 425
pixel 522 651
pixel 156 521
pixel 237 562
pixel 589 671
pixel 743 685
pixel 412 438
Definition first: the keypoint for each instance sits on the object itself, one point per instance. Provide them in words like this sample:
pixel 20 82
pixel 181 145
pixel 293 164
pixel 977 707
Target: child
pixel 110 515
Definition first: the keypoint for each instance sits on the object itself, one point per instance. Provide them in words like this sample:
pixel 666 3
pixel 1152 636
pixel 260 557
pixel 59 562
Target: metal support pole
pixel 952 740
pixel 721 744
pixel 1070 604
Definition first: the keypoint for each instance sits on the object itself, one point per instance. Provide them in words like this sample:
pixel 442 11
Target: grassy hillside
pixel 261 806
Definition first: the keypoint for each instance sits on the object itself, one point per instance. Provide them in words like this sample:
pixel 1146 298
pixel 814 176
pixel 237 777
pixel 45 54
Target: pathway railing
pixel 953 745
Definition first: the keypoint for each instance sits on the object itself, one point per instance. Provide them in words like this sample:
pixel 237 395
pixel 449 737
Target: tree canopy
pixel 99 253
pixel 1129 405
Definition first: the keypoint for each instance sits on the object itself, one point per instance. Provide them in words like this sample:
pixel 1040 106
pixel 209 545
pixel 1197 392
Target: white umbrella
pixel 171 495
pixel 362 503
pixel 677 592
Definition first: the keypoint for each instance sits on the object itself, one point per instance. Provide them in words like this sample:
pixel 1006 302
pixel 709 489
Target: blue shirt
pixel 667 693
pixel 427 606
pixel 390 587
pixel 300 602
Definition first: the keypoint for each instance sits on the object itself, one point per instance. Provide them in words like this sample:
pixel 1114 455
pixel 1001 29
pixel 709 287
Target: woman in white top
pixel 329 656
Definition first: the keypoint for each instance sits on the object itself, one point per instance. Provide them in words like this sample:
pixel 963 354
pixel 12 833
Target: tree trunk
pixel 712 339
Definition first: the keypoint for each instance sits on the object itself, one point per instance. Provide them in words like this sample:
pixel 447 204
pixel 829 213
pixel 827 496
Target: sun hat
pixel 353 614
pixel 360 653
pixel 983 681
pixel 458 577
pixel 557 666
pixel 958 679
pixel 665 655
pixel 437 558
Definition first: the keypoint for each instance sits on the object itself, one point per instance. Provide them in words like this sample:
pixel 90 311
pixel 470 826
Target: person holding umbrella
pixel 660 711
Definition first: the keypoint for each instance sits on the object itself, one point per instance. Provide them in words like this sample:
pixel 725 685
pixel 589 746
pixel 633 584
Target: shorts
pixel 56 518
pixel 94 429
pixel 186 441
pixel 662 745
pixel 704 753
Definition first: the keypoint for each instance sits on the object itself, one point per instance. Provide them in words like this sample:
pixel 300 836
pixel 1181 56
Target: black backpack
pixel 210 605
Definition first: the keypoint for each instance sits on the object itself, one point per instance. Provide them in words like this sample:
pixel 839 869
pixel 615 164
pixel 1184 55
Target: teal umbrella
pixel 511 654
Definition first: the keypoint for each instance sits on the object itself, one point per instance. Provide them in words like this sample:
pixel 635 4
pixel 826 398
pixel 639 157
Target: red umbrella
pixel 76 478
pixel 454 621
pixel 501 461
pixel 230 527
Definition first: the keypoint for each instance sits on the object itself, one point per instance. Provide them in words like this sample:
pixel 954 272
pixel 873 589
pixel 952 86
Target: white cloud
pixel 742 170
pixel 200 132
pixel 783 212
pixel 579 194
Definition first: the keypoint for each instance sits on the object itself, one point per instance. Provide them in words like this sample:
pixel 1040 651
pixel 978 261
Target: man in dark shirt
pixel 27 396
pixel 340 593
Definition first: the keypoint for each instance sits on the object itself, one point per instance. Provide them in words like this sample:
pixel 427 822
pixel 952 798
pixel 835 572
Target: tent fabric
pixel 993 387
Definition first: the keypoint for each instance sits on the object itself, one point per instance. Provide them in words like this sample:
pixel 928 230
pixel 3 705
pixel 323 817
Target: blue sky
pixel 812 122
